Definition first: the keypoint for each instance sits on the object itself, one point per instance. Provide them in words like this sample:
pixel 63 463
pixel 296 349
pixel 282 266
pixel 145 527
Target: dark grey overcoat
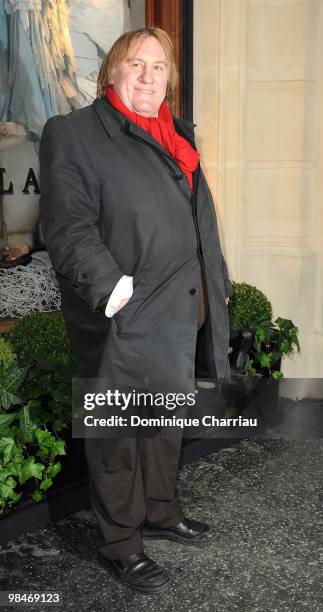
pixel 114 202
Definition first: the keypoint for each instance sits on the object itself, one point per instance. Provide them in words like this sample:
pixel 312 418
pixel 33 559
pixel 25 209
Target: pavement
pixel 264 499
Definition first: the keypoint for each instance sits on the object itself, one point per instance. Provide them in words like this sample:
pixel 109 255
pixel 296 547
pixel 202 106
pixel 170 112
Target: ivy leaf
pixel 6 420
pixel 37 496
pixel 53 470
pixel 58 448
pixel 46 483
pixel 7 447
pixel 7 471
pixel 17 453
pixel 15 496
pixel 5 491
pixel 15 468
pixel 10 383
pixel 36 411
pixel 31 469
pixel 44 438
pixel 26 425
pixel 10 482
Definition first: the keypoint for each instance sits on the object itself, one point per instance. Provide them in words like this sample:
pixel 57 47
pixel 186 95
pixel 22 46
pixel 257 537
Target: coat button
pixel 192 291
pixel 85 275
pixel 179 176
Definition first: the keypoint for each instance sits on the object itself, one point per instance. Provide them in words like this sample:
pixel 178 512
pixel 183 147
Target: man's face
pixel 141 80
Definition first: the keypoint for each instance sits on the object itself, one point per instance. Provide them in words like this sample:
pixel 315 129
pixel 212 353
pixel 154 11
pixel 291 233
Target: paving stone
pixel 264 499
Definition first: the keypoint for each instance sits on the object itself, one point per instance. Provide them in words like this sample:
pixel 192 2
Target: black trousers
pixel 133 480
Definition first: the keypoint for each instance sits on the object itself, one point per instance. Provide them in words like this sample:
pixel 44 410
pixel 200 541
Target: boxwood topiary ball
pixel 41 336
pixel 248 307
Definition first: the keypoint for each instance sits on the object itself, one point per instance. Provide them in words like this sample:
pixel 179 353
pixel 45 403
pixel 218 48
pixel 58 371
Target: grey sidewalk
pixel 264 498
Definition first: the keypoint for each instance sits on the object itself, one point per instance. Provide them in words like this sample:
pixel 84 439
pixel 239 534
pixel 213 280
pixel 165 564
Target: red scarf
pixel 163 130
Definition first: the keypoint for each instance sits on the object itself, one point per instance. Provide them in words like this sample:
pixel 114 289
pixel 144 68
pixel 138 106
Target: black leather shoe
pixel 188 531
pixel 138 572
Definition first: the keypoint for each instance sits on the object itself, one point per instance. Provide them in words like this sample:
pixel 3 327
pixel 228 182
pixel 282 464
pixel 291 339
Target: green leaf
pixel 259 338
pixel 26 425
pixel 17 453
pixel 44 453
pixel 46 483
pixel 277 374
pixel 13 468
pixel 251 369
pixel 260 335
pixel 265 360
pixel 31 469
pixel 7 446
pixel 58 448
pixel 5 491
pixel 289 333
pixel 294 339
pixel 15 496
pixel 10 482
pixel 285 324
pixel 10 383
pixel 44 438
pixel 285 347
pixel 53 470
pixel 59 424
pixel 6 420
pixel 275 356
pixel 37 496
pixel 5 472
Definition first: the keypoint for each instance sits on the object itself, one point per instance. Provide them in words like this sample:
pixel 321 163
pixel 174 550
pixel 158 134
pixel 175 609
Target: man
pixel 130 226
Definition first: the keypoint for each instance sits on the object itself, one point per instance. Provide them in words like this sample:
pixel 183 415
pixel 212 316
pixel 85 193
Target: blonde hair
pixel 120 51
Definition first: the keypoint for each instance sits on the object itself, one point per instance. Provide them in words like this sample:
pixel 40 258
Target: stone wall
pixel 258 83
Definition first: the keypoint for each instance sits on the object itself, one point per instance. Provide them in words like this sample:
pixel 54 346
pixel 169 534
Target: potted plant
pixel 39 460
pixel 258 343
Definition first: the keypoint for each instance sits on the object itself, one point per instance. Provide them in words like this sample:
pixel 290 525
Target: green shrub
pixel 7 355
pixel 43 370
pixel 42 337
pixel 29 442
pixel 35 405
pixel 28 457
pixel 248 307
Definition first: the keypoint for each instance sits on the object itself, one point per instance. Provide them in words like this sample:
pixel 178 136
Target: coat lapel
pixel 113 122
pixel 116 124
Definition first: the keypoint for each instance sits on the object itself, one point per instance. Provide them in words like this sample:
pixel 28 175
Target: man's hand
pixel 227 300
pixel 122 304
